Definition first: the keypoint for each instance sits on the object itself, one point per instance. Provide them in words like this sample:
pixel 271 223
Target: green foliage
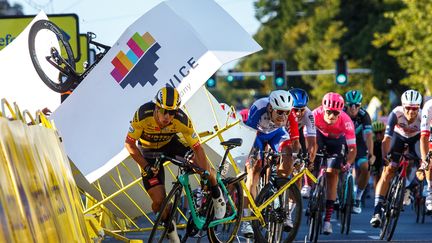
pixel 391 37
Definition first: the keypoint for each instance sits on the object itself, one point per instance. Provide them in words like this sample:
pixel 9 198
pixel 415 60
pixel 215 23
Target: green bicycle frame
pixel 200 221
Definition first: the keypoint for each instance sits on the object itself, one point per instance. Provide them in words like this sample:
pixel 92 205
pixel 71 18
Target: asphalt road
pixel 407 229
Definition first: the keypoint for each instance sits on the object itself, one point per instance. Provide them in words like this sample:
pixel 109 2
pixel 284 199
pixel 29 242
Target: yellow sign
pixel 84 50
pixel 11 27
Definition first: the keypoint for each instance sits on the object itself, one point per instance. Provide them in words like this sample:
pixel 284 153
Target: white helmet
pixel 281 100
pixel 411 98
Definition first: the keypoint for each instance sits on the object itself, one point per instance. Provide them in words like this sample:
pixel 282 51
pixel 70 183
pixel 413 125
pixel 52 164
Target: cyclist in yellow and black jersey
pixel 146 130
pixel 155 128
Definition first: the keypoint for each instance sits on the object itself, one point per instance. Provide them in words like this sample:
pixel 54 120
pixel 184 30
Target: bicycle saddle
pixel 233 142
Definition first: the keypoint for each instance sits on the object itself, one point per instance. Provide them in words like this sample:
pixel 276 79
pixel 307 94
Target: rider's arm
pixel 292 127
pixel 130 145
pixel 367 131
pixel 425 127
pixel 350 137
pixel 385 146
pixel 311 147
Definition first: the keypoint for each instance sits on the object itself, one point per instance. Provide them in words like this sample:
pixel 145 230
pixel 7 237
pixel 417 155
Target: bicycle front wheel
pixel 227 232
pixel 166 216
pixel 282 216
pixel 51 55
pixel 347 205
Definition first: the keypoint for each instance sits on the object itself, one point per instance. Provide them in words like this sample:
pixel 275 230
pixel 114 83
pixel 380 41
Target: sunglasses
pixel 170 112
pixel 354 105
pixel 281 113
pixel 335 113
pixel 299 109
pixel 411 108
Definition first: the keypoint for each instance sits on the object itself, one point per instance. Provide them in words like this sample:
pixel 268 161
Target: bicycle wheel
pixel 348 205
pixel 162 226
pixel 48 42
pixel 316 206
pixel 276 213
pixel 227 232
pixel 395 207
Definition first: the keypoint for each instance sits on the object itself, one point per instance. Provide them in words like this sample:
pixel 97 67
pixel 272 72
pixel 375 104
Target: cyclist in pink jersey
pixel 334 129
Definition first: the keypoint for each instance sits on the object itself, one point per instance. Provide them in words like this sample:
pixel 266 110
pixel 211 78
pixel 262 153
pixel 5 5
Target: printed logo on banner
pixel 138 65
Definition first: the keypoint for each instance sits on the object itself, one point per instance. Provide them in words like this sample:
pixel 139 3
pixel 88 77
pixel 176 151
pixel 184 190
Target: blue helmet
pixel 300 97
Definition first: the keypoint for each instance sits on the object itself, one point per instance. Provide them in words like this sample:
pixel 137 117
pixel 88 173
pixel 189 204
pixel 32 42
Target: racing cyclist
pixel 307 130
pixel 364 141
pixel 425 147
pixel 378 128
pixel 334 130
pixel 268 115
pixel 403 127
pixel 154 128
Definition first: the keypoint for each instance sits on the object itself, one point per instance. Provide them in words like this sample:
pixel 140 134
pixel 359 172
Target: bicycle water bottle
pixel 225 169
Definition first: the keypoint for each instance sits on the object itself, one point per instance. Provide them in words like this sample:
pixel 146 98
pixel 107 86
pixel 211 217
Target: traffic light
pixel 211 82
pixel 279 76
pixel 341 71
pixel 230 77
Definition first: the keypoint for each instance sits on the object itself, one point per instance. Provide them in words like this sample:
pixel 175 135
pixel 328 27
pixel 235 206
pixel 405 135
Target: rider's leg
pixel 362 173
pixel 383 185
pixel 332 180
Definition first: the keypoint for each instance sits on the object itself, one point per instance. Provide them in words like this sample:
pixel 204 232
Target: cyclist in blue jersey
pixel 268 116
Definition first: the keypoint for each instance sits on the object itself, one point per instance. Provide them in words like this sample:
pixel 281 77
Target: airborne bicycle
pixel 55 64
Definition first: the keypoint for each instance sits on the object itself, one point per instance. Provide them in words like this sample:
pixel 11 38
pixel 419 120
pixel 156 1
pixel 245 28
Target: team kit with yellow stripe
pixel 152 138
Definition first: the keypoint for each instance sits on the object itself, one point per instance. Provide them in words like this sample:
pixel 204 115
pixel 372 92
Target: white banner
pixel 179 43
pixel 19 81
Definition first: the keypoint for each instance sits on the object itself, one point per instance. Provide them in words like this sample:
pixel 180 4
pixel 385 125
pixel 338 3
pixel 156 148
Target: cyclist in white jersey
pixel 307 130
pixel 425 147
pixel 403 127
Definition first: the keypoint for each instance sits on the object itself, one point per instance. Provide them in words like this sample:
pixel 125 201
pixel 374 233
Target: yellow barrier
pixel 39 201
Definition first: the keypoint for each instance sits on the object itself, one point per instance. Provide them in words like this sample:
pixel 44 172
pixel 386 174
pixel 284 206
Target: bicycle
pixel 59 57
pixel 316 205
pixel 420 195
pixel 287 205
pixel 395 195
pixel 201 217
pixel 346 197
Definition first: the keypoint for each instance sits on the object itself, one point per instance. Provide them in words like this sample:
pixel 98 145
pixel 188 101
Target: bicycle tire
pixel 260 233
pixel 175 195
pixel 342 208
pixel 397 207
pixel 316 206
pixel 213 233
pixel 387 211
pixel 349 204
pixel 59 86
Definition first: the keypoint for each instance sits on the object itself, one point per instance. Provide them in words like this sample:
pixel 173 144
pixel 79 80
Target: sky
pixel 109 18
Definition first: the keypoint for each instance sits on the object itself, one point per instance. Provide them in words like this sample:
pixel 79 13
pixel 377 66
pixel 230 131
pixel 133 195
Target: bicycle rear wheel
pixel 162 226
pixel 227 232
pixel 48 42
pixel 276 213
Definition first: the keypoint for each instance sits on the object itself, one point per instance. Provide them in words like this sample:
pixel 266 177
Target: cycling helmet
pixel 168 98
pixel 300 97
pixel 281 100
pixel 333 101
pixel 411 98
pixel 378 126
pixel 353 97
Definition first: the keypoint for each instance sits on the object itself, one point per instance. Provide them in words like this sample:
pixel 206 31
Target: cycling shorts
pixel 171 149
pixel 336 146
pixel 397 146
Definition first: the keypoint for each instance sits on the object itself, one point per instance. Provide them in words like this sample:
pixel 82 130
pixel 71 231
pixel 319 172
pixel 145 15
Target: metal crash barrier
pixel 39 201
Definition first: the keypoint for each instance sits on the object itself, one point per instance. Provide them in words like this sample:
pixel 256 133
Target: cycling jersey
pixel 426 118
pixel 307 123
pixel 268 132
pixel 150 135
pixel 397 122
pixel 259 118
pixel 363 126
pixel 343 126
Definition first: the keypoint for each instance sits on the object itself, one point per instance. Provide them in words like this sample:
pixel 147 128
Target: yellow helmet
pixel 168 98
